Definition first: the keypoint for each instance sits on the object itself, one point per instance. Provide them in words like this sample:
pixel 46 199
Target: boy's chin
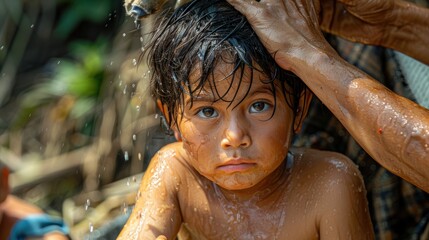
pixel 234 185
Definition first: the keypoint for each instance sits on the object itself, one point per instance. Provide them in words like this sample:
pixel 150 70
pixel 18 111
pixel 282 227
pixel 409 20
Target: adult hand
pixel 289 26
pixel 362 21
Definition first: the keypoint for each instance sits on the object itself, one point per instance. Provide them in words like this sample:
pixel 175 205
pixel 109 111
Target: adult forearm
pixel 409 33
pixel 392 129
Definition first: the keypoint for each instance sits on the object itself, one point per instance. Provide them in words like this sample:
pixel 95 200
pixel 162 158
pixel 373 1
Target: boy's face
pixel 236 145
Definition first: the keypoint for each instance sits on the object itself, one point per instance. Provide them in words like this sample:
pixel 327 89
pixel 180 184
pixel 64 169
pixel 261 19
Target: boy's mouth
pixel 236 165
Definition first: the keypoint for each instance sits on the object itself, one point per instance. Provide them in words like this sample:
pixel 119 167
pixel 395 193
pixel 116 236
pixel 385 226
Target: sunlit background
pixel 77 126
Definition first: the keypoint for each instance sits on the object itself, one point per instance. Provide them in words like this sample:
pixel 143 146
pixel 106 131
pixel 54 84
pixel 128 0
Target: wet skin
pixel 228 179
pixel 389 127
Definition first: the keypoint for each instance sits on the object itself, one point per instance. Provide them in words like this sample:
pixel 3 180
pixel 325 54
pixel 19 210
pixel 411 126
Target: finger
pixel 161 237
pixel 348 2
pixel 312 8
pixel 246 7
pixel 327 13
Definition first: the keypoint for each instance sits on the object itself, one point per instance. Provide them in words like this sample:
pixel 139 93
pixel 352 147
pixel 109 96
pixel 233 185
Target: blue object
pixel 138 12
pixel 37 226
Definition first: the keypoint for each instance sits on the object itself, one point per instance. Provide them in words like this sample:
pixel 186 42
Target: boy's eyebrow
pixel 266 88
pixel 207 97
pixel 201 97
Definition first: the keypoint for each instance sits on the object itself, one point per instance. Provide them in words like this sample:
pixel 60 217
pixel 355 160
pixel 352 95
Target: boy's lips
pixel 236 165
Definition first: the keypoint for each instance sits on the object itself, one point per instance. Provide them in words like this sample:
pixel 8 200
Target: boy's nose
pixel 236 136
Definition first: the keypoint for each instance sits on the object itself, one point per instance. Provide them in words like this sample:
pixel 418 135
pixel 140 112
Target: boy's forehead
pixel 222 72
pixel 227 82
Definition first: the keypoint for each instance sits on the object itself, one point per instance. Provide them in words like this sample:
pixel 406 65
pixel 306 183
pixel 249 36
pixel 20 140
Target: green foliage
pixel 78 11
pixel 79 79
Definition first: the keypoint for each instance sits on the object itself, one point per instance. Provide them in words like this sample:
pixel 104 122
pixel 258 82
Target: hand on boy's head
pixel 275 21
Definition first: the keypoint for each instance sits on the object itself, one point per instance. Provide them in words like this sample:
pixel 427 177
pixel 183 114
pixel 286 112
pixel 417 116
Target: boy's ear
pixel 164 111
pixel 302 110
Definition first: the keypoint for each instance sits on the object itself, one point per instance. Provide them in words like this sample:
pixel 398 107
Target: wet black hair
pixel 200 34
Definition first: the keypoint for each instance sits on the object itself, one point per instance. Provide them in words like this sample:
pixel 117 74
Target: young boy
pixel 232 174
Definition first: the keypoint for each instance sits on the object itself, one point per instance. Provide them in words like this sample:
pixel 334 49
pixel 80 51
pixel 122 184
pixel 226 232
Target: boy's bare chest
pixel 207 214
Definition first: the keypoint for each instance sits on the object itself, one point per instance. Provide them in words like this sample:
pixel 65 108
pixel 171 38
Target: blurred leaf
pixel 82 10
pixel 82 107
pixel 80 78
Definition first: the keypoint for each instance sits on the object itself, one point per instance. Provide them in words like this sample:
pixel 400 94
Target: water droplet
pixel 128 182
pixel 59 62
pixel 156 116
pixel 124 34
pixel 91 227
pixel 126 156
pixel 137 23
pixel 1 48
pixel 87 204
pixel 134 137
pixel 124 209
pixel 134 62
pixel 139 156
pixel 32 26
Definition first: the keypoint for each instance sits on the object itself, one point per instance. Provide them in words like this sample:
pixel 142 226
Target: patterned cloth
pixel 398 209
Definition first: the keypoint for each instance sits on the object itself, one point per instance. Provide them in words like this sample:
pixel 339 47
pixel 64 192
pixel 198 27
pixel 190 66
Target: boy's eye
pixel 259 107
pixel 207 112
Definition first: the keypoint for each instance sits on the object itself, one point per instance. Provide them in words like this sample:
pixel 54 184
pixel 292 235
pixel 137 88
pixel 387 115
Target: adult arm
pixel 395 24
pixel 156 214
pixel 392 129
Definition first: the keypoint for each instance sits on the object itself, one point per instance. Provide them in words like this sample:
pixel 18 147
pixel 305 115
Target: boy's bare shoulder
pixel 324 162
pixel 329 186
pixel 174 157
pixel 325 172
pixel 173 152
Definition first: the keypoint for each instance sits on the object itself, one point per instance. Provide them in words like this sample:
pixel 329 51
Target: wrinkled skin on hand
pixel 274 20
pixel 362 21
